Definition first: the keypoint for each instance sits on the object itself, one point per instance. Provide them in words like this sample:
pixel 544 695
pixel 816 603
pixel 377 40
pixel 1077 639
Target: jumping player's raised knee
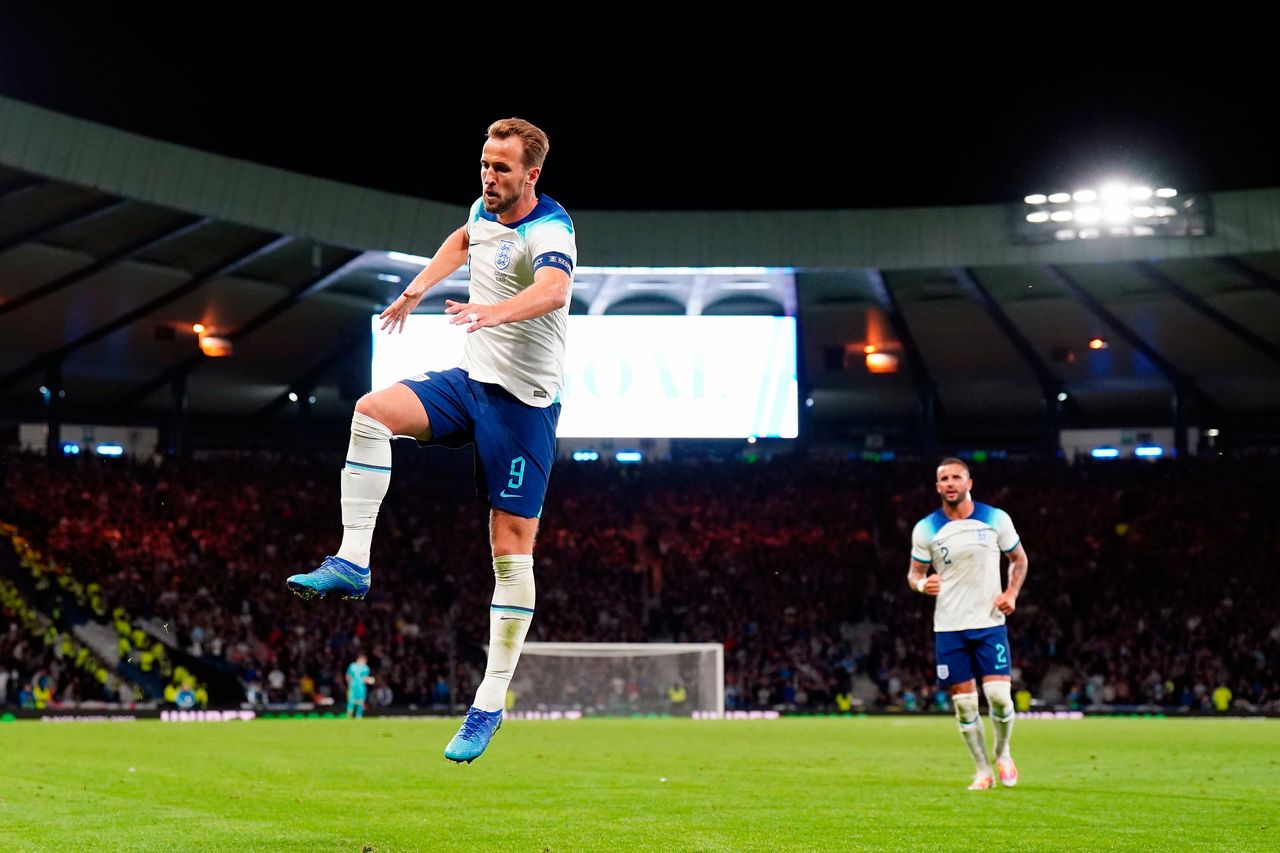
pixel 398 409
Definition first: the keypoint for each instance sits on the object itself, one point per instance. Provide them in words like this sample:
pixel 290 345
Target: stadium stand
pixel 796 566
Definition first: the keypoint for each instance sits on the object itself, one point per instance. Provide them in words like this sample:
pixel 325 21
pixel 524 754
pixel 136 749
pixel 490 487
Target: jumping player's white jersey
pixel 526 358
pixel 965 553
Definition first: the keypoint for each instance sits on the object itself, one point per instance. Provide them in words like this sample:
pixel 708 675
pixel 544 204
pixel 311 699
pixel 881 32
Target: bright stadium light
pixel 1104 453
pixel 293 396
pixel 1109 210
pixel 1062 396
pixel 1212 433
pixel 109 450
pixel 1114 193
pixel 394 279
pixel 70 448
pixel 1062 216
pixel 1148 451
pixel 882 362
pixel 628 456
pixel 216 347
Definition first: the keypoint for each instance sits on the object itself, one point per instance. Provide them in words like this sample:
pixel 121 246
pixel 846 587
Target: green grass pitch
pixel 650 784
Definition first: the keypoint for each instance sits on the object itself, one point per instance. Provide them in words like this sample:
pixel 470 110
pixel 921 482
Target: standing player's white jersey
pixel 526 358
pixel 966 554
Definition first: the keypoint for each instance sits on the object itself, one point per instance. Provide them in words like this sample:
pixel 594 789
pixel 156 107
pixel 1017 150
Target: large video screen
pixel 641 376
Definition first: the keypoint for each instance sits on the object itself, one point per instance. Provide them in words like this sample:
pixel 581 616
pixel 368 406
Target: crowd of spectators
pixel 42 667
pixel 1147 580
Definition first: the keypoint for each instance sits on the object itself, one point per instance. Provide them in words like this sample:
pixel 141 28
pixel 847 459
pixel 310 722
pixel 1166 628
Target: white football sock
pixel 365 479
pixel 509 619
pixel 1000 699
pixel 970 720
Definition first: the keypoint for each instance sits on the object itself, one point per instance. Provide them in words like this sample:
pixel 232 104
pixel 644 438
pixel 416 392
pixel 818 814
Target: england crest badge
pixel 503 260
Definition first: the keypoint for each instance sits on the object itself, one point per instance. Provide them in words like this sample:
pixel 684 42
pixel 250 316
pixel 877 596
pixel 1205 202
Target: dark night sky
pixel 731 124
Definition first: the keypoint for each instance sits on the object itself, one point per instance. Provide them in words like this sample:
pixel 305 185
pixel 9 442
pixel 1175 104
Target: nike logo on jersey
pixel 507 494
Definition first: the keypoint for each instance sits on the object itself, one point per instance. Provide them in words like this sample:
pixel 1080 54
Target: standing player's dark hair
pixel 951 460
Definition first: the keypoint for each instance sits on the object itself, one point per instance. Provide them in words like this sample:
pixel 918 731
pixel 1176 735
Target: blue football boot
pixel 478 728
pixel 333 575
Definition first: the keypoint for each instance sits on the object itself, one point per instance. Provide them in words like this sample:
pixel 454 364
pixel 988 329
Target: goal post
pixel 620 678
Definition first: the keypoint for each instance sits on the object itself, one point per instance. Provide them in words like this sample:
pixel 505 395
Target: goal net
pixel 620 678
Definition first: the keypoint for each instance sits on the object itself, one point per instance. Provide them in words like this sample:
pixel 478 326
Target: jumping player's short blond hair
pixel 535 141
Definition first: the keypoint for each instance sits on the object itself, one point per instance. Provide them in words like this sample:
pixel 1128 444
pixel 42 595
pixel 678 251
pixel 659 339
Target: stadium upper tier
pixel 75 151
pixel 113 246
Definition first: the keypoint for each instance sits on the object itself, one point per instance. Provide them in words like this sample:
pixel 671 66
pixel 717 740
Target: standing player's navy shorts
pixel 963 655
pixel 515 443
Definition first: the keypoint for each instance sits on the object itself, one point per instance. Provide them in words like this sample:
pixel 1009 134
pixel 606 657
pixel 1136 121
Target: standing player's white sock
pixel 365 479
pixel 509 619
pixel 1000 700
pixel 970 720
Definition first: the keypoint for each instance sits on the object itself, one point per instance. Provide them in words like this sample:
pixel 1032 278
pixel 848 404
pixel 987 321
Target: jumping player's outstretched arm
pixel 1007 601
pixel 451 255
pixel 549 292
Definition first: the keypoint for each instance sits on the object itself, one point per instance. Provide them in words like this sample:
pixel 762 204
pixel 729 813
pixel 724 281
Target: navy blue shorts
pixel 515 443
pixel 963 655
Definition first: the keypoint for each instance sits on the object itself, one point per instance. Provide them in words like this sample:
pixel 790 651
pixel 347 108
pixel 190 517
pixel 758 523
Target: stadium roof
pixel 112 245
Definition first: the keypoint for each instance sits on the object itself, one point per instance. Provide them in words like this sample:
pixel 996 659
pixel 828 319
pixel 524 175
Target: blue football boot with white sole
pixel 477 730
pixel 333 575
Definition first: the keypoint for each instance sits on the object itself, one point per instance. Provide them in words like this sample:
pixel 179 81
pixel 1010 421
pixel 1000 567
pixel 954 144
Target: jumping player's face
pixel 503 176
pixel 953 483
